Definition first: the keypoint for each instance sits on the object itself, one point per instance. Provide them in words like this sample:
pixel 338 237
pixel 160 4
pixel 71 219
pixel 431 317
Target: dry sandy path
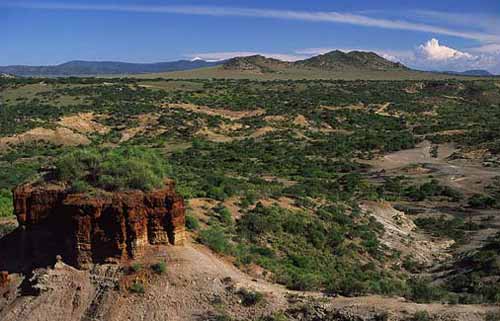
pixel 469 178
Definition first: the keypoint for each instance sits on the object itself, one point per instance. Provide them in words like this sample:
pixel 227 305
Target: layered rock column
pixel 105 228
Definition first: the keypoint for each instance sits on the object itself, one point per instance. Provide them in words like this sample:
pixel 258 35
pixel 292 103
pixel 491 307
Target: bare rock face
pixel 86 229
pixel 4 279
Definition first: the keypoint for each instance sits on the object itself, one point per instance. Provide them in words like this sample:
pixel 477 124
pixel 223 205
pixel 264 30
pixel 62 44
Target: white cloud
pixel 486 22
pixel 312 16
pixel 434 56
pixel 492 48
pixel 432 50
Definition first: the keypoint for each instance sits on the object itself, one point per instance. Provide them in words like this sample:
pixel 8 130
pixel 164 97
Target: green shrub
pixel 6 203
pixel 137 287
pixel 160 267
pixel 481 201
pixel 135 267
pixel 192 223
pixel 432 189
pixel 421 291
pixel 224 214
pixel 80 186
pixel 250 298
pixel 215 238
pixel 443 227
pixel 421 316
pixel 112 169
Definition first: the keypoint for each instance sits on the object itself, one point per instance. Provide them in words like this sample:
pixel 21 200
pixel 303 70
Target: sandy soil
pixel 57 136
pixel 83 123
pixel 283 202
pixel 196 276
pixel 225 113
pixel 382 110
pixel 197 284
pixel 214 136
pixel 469 177
pixel 262 131
pixel 147 122
pixel 401 234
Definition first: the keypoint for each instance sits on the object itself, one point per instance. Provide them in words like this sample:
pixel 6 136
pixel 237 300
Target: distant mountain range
pixel 333 63
pixel 94 68
pixel 474 72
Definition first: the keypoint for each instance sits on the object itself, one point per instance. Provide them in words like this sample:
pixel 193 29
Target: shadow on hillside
pixel 20 254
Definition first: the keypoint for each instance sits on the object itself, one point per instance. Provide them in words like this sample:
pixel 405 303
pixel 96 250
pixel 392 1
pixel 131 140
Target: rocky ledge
pixel 86 229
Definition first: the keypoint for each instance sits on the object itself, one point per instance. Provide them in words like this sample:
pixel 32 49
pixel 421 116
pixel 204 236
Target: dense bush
pixel 311 252
pixel 481 201
pixel 443 227
pixel 215 238
pixel 159 268
pixel 479 283
pixel 250 298
pixel 422 291
pixel 114 169
pixel 432 189
pixel 192 223
pixel 6 204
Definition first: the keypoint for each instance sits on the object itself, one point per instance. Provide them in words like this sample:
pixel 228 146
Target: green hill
pixel 354 60
pixel 333 65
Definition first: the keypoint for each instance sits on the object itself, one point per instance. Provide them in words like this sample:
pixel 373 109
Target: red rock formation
pixel 88 229
pixel 4 279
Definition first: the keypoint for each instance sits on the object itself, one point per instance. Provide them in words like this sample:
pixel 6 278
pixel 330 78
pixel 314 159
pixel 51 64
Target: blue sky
pixel 444 34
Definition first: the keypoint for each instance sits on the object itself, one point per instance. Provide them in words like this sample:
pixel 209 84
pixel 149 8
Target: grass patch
pixel 192 223
pixel 159 268
pixel 137 287
pixel 135 267
pixel 6 203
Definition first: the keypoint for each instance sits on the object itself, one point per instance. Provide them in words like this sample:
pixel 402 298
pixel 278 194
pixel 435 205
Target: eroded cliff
pixel 101 228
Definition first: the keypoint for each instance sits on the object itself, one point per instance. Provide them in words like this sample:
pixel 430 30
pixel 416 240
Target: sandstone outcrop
pixel 103 228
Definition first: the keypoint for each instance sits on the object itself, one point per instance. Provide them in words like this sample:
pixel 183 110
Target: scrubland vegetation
pixel 324 242
pixel 6 207
pixel 112 170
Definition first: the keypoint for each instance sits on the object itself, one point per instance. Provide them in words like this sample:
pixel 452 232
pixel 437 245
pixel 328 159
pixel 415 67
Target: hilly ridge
pixel 331 61
pixel 332 65
pixel 336 64
pixel 256 63
pixel 90 68
pixel 338 60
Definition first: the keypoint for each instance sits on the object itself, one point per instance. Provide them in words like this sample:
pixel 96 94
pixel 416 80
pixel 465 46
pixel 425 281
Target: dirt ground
pixel 57 136
pixel 197 284
pixel 225 113
pixel 467 176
